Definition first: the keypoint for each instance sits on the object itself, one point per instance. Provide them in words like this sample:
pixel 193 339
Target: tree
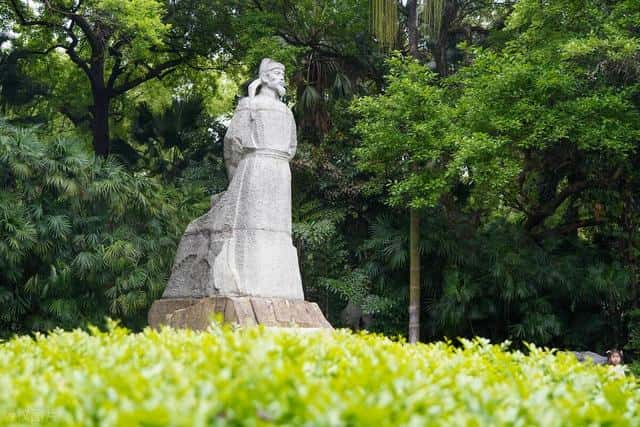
pixel 545 134
pixel 118 46
pixel 80 238
pixel 384 23
pixel 540 137
pixel 404 139
pixel 557 143
pixel 443 24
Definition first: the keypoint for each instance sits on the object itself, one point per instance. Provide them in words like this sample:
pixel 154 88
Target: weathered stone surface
pixel 243 246
pixel 308 314
pixel 161 308
pixel 596 358
pixel 283 311
pixel 196 316
pixel 263 310
pixel 242 311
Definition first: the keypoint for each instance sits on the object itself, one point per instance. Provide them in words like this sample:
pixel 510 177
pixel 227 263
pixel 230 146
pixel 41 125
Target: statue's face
pixel 274 79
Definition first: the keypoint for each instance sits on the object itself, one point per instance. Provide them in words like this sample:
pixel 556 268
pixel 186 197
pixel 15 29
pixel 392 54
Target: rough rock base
pixel 196 313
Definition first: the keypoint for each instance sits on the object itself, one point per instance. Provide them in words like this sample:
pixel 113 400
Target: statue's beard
pixel 280 90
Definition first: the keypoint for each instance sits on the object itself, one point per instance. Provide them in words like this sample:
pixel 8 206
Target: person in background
pixel 614 357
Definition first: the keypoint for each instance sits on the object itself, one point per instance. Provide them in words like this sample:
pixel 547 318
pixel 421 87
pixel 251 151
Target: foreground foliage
pixel 266 377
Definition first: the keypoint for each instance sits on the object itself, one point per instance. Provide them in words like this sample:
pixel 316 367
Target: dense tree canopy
pixel 510 129
pixel 112 47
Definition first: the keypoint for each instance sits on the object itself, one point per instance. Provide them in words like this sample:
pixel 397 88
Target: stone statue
pixel 238 260
pixel 242 246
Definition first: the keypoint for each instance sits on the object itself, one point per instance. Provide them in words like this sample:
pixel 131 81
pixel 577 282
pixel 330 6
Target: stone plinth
pixel 196 313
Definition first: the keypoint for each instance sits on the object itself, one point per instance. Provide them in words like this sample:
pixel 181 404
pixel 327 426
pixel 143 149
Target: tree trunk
pixel 101 95
pixel 442 67
pixel 414 214
pixel 414 276
pixel 629 240
pixel 442 43
pixel 412 27
pixel 100 123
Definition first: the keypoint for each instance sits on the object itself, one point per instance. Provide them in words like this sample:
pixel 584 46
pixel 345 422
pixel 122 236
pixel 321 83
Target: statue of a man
pixel 242 246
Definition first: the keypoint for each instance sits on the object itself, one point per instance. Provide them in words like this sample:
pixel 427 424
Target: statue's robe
pixel 242 246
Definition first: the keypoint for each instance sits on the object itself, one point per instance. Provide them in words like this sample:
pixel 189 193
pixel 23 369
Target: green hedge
pixel 265 377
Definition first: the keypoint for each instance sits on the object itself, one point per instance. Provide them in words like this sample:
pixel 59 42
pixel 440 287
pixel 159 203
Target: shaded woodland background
pixel 511 129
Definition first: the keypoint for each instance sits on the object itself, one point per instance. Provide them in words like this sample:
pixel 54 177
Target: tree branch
pixel 81 21
pixel 77 6
pixel 73 55
pixel 573 226
pixel 84 25
pixel 541 214
pixel 158 71
pixel 117 69
pixel 70 49
pixel 25 52
pixel 17 9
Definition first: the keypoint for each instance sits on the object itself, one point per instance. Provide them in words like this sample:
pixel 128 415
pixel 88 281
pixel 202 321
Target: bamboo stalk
pixel 384 22
pixel 414 277
pixel 432 11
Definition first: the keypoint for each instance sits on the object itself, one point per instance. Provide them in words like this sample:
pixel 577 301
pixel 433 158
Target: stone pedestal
pixel 196 313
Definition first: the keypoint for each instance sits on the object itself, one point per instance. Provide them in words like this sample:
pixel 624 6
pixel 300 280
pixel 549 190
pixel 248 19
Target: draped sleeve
pixel 293 143
pixel 237 137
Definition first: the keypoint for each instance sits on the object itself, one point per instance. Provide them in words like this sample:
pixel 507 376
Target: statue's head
pixel 271 76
